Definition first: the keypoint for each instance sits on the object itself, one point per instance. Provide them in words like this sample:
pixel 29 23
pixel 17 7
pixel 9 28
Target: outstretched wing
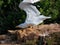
pixel 33 14
pixel 29 9
pixel 31 1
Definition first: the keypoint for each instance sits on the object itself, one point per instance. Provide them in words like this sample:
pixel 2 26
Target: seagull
pixel 33 14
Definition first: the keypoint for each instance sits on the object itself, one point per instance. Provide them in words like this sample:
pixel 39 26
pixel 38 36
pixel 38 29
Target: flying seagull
pixel 33 14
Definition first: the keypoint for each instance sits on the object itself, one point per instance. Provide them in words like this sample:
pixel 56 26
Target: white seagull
pixel 33 14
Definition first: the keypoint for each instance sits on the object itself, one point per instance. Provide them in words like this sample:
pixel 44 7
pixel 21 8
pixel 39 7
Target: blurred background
pixel 11 15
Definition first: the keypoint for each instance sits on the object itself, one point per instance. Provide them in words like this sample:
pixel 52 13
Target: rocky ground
pixel 30 35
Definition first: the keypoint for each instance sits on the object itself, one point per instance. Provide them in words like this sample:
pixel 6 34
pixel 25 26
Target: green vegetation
pixel 50 8
pixel 11 15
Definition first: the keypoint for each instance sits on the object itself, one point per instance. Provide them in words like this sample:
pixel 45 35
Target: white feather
pixel 33 14
pixel 31 1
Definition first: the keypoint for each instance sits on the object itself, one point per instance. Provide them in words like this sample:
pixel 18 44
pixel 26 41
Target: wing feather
pixel 29 9
pixel 33 14
pixel 31 1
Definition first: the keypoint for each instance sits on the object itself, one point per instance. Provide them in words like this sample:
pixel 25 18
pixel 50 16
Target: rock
pixel 33 32
pixel 2 37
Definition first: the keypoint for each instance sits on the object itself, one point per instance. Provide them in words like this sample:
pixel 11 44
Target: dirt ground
pixel 19 36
